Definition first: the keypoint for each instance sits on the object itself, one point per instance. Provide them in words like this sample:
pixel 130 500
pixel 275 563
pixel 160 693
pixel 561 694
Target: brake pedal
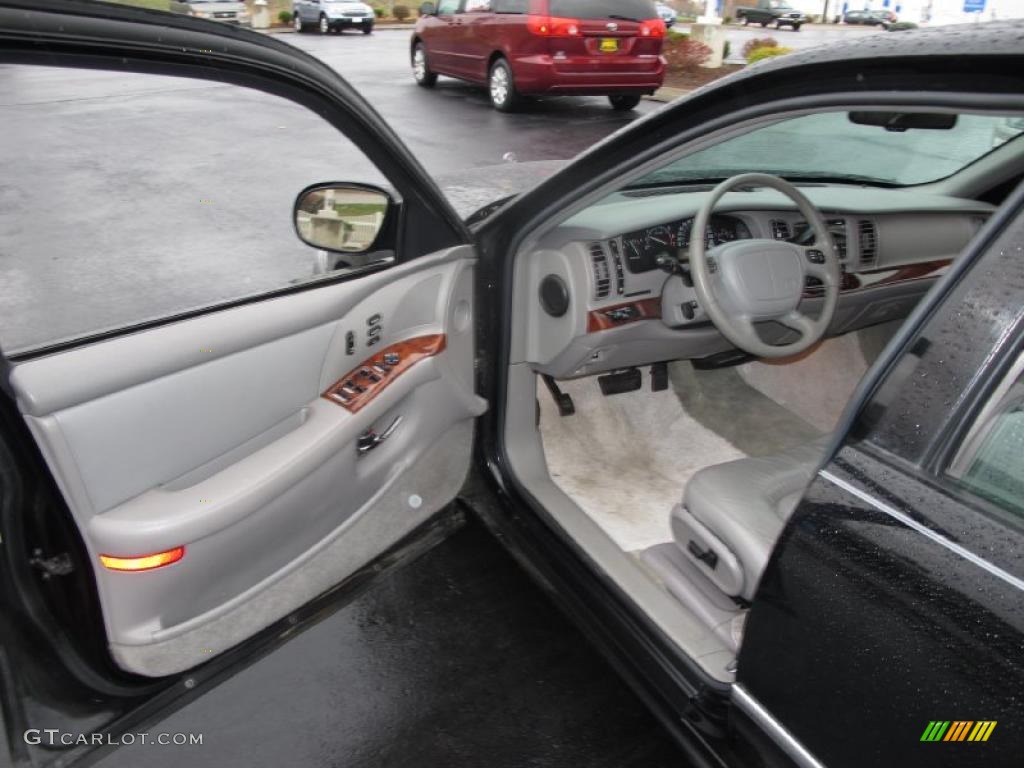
pixel 563 400
pixel 619 382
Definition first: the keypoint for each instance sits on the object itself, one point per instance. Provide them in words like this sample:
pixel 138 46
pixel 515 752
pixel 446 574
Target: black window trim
pixel 75 35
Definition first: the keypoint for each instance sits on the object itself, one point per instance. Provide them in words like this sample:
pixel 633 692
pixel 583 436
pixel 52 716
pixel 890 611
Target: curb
pixel 667 93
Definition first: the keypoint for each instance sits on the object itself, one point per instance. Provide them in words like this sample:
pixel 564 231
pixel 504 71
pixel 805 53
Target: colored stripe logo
pixel 958 730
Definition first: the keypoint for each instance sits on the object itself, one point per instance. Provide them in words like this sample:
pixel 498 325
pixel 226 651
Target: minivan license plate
pixel 609 45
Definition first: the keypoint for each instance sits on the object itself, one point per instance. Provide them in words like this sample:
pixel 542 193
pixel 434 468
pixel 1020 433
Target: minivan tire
pixel 502 88
pixel 299 26
pixel 422 74
pixel 623 102
pixel 367 29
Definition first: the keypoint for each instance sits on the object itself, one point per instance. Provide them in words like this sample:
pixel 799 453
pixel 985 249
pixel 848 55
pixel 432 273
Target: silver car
pixel 228 11
pixel 332 15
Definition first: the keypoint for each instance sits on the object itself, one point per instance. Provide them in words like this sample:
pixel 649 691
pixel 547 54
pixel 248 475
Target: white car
pixel 667 14
pixel 332 15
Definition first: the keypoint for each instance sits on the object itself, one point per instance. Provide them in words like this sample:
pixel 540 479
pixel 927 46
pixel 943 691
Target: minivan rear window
pixel 637 10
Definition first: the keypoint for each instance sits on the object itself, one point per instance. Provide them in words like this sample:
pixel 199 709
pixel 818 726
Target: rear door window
pixel 990 463
pixel 637 10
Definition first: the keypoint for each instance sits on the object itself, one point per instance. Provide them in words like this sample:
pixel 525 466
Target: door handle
pixel 371 439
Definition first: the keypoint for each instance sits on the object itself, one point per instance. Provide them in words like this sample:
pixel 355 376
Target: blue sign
pixel 974 6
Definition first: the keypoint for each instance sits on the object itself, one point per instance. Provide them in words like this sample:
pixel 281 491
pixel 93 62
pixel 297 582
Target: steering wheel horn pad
pixel 762 279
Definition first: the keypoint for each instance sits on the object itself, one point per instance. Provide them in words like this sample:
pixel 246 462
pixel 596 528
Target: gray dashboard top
pixel 622 212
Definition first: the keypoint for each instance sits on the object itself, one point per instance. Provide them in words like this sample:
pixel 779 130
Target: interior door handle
pixel 371 439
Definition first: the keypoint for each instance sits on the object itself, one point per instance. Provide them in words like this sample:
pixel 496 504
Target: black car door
pixel 889 626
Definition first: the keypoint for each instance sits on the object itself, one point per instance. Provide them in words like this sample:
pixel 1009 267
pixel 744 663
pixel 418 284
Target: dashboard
pixel 612 265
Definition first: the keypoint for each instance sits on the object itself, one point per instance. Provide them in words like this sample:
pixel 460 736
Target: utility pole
pixel 824 13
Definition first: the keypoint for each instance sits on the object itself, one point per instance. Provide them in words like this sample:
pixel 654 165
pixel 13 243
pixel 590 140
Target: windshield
pixel 830 146
pixel 636 10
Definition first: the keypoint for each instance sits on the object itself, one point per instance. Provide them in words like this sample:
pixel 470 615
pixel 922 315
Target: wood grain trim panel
pixel 853 281
pixel 355 390
pixel 631 312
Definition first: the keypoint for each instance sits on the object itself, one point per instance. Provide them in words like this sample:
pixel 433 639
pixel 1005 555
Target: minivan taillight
pixel 651 28
pixel 553 26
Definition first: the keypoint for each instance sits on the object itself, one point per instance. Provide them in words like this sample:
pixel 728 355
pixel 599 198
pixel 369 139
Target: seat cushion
pixel 737 510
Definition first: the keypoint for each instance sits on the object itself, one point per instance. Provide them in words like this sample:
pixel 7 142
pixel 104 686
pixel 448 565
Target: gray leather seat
pixel 732 514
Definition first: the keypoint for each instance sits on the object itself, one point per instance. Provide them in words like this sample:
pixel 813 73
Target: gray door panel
pixel 212 434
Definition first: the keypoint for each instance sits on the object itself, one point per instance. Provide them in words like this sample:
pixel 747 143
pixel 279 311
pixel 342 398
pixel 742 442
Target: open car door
pixel 225 464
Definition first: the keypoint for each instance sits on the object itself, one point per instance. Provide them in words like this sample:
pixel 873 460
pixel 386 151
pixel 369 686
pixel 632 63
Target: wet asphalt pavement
pixel 456 659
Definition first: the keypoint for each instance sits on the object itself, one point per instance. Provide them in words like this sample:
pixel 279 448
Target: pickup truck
pixel 766 12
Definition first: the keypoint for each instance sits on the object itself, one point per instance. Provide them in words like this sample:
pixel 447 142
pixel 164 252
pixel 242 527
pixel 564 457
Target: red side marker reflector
pixel 143 562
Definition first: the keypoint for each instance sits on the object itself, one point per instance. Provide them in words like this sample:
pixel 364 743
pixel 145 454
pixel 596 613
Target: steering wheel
pixel 746 281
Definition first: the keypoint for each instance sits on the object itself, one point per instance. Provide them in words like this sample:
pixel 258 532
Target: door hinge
pixel 58 565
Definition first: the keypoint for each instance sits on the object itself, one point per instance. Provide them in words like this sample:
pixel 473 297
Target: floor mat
pixel 625 459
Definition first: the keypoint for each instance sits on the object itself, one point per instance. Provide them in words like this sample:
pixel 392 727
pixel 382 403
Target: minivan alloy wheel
pixel 419 64
pixel 501 86
pixel 420 69
pixel 325 27
pixel 297 23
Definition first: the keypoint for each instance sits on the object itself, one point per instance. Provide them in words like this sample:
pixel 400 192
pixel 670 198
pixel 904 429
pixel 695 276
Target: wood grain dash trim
pixel 645 309
pixel 410 352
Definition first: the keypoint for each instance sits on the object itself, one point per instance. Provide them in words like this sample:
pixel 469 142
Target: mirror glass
pixel 341 218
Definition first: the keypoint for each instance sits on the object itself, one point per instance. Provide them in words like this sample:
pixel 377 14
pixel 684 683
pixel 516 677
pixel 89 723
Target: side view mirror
pixel 427 9
pixel 341 217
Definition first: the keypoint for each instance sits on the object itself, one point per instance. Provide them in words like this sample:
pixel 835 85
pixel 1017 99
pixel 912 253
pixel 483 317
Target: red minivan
pixel 535 47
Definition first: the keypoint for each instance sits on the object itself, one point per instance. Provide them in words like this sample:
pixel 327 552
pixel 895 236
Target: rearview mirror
pixel 341 217
pixel 427 9
pixel 902 121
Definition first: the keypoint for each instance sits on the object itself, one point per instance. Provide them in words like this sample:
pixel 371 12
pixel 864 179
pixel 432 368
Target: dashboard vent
pixel 780 229
pixel 868 241
pixel 602 275
pixel 620 275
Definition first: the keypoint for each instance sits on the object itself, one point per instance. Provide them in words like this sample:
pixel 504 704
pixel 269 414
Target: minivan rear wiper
pixel 620 17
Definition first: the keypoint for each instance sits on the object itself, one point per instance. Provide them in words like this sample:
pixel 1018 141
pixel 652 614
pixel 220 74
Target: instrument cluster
pixel 643 247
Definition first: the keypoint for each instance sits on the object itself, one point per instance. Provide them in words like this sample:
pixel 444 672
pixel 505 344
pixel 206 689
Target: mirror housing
pixel 899 122
pixel 427 9
pixel 342 217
